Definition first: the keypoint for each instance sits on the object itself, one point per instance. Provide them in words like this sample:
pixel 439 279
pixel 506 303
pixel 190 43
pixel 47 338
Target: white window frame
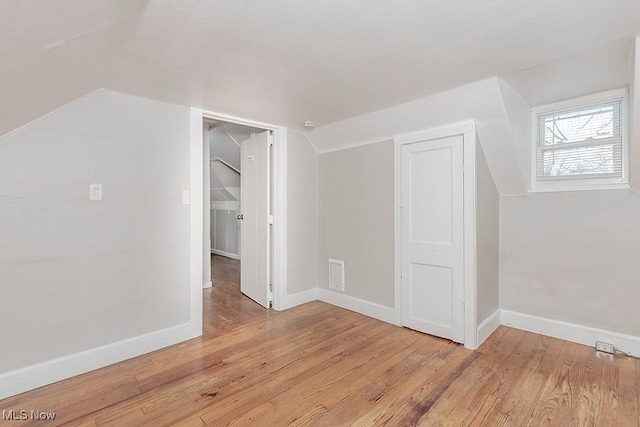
pixel 582 183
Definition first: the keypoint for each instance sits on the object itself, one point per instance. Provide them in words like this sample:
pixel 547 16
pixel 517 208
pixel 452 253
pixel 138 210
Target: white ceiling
pixel 284 61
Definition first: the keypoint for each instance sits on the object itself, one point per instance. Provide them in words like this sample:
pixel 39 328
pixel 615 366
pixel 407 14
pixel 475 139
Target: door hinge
pixel 270 219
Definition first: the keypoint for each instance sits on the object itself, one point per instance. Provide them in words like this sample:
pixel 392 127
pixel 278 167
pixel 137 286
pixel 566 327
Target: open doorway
pixel 239 188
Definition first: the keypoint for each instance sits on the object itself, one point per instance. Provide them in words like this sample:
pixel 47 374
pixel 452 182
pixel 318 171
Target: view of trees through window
pixel 583 141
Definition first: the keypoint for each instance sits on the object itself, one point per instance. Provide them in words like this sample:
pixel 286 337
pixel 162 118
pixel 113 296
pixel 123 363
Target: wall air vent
pixel 336 275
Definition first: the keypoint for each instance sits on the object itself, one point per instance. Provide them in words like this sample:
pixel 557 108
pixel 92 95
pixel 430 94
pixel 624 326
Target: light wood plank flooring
pixel 324 366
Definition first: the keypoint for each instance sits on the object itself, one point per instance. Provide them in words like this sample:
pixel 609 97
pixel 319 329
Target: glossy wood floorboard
pixel 324 366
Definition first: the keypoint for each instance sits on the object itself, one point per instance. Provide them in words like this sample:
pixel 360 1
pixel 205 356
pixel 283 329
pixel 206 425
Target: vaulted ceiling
pixel 284 61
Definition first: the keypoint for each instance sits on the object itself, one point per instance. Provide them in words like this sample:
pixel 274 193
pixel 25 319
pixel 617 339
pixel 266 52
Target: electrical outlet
pixel 605 347
pixel 95 192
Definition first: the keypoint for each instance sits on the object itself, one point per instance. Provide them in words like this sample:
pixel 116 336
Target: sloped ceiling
pixel 605 67
pixel 480 101
pixel 52 52
pixel 284 61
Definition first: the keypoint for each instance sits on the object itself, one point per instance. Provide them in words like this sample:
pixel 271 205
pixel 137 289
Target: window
pixel 581 144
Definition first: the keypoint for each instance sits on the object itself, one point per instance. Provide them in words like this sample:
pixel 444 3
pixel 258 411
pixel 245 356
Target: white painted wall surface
pixel 356 220
pixel 78 274
pixel 480 101
pixel 487 239
pixel 518 113
pixel 302 216
pixel 572 257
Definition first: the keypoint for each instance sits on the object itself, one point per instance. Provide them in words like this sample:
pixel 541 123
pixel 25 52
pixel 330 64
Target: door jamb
pixel 468 132
pixel 197 209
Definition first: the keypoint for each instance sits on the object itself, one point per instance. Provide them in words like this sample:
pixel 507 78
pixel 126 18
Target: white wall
pixel 78 274
pixel 356 220
pixel 302 213
pixel 572 257
pixel 518 114
pixel 487 239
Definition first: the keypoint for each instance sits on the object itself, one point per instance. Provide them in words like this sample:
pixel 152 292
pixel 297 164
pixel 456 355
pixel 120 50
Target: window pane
pixel 598 159
pixel 588 124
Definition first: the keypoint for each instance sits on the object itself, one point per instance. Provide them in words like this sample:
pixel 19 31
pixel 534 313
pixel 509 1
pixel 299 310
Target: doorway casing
pixel 196 186
pixel 468 132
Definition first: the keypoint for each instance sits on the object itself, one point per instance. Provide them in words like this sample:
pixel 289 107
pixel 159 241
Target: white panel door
pixel 432 237
pixel 254 208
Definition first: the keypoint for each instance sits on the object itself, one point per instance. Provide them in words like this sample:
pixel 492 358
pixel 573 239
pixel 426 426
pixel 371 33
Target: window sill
pixel 585 187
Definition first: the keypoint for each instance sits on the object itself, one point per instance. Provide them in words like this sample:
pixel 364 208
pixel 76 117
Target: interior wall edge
pixel 488 326
pixel 299 298
pixel 60 107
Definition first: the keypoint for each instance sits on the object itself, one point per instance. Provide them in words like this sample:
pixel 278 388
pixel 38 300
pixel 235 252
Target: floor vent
pixel 336 275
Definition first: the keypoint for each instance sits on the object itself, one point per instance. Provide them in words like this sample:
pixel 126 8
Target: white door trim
pixel 196 216
pixel 468 132
pixel 196 209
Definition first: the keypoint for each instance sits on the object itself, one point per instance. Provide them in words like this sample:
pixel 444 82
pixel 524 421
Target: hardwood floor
pixel 324 366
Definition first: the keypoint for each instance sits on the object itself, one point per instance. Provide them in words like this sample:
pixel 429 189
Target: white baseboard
pixel 227 254
pixel 570 331
pixel 206 285
pixel 367 308
pixel 299 298
pixel 31 377
pixel 487 327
